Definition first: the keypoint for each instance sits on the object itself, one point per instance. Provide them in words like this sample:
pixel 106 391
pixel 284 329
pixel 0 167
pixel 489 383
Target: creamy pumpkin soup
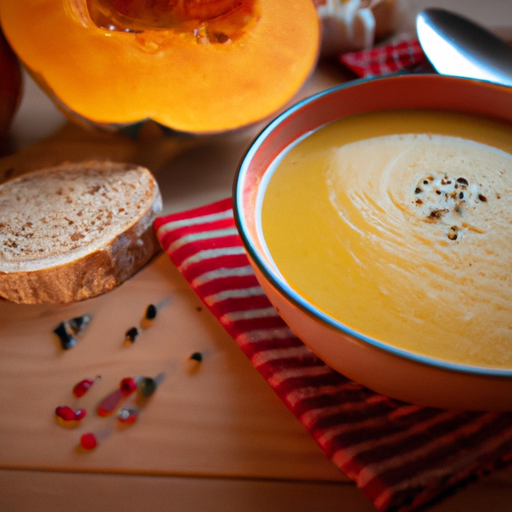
pixel 399 225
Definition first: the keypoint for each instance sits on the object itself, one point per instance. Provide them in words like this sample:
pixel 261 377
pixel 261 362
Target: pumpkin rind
pixel 119 78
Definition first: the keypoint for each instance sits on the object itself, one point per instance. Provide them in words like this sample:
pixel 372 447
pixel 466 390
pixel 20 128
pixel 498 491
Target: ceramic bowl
pixel 381 367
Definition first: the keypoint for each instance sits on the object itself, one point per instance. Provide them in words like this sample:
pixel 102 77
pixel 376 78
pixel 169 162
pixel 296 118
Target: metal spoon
pixel 457 46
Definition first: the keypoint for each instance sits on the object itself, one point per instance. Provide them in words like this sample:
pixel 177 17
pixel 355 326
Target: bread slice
pixel 75 231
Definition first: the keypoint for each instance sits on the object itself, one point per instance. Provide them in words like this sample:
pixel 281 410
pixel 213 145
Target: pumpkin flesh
pixel 185 77
pixel 184 15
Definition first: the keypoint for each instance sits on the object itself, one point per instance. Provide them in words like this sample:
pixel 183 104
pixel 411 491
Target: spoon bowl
pixel 457 46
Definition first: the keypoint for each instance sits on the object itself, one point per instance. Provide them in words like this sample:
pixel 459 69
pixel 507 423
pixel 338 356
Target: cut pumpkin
pixel 196 66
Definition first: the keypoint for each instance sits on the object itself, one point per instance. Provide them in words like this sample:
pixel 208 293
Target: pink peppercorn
pixel 66 413
pixel 79 414
pixel 82 387
pixel 88 441
pixel 127 386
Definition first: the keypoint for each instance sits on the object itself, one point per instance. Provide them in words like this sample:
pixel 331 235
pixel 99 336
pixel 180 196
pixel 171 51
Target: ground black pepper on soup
pixel 399 225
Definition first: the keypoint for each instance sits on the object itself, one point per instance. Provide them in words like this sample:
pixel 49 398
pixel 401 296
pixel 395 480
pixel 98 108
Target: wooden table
pixel 216 439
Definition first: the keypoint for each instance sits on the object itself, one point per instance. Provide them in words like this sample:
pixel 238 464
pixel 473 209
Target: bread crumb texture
pixel 71 216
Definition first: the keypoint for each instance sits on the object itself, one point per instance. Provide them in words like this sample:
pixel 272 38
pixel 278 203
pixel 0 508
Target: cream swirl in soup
pixel 399 225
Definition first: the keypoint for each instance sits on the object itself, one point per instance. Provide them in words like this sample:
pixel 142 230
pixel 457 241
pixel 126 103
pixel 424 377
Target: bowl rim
pixel 282 287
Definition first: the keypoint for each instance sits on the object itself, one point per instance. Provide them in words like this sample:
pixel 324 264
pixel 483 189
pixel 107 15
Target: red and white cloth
pixel 404 54
pixel 400 455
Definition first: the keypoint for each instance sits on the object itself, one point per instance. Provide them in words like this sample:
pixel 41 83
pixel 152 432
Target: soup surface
pixel 399 225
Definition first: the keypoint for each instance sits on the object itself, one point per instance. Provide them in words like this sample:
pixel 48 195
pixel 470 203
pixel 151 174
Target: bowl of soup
pixel 377 216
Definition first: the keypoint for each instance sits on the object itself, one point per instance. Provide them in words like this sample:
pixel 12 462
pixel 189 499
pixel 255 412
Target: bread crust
pixel 97 271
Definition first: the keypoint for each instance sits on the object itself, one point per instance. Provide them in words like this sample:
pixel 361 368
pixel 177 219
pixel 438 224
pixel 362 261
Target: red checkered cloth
pixel 401 456
pixel 404 54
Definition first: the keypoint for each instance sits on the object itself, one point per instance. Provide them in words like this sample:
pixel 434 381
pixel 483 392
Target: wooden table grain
pixel 215 439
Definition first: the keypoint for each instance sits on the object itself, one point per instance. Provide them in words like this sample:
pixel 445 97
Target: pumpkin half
pixel 191 65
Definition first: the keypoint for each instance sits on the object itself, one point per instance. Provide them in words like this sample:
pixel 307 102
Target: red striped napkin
pixel 403 54
pixel 401 456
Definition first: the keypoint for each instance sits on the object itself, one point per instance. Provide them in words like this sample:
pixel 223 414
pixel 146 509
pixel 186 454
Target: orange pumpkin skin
pixel 115 78
pixel 10 85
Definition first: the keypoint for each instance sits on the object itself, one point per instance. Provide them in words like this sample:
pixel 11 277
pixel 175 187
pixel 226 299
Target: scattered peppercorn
pixel 64 412
pixel 83 386
pixel 147 386
pixel 131 334
pixel 68 417
pixel 127 386
pixel 69 330
pixel 197 356
pixel 110 403
pixel 128 415
pixel 79 414
pixel 151 312
pixel 88 441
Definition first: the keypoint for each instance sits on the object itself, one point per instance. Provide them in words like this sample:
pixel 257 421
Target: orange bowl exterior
pixel 384 369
